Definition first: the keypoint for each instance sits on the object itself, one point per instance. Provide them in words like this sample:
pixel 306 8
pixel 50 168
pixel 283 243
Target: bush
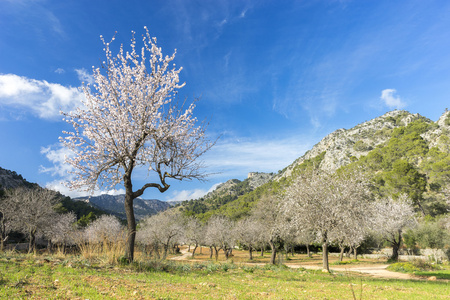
pixel 403 267
pixel 416 265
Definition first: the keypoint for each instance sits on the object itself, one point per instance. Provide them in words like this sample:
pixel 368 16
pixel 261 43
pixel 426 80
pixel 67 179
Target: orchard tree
pixel 271 222
pixel 130 120
pixel 392 218
pixel 162 228
pixel 106 230
pixel 247 232
pixel 194 232
pixel 33 211
pixel 61 230
pixel 328 205
pixel 6 216
pixel 219 235
pixel 433 235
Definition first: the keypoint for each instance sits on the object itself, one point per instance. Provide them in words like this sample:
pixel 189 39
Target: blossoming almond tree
pixel 130 120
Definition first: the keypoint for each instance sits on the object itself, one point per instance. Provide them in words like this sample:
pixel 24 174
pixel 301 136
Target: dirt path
pixel 378 271
pixel 185 255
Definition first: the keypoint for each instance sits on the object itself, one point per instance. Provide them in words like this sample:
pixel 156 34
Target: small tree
pixel 392 218
pixel 433 235
pixel 129 120
pixel 61 230
pixel 219 235
pixel 247 232
pixel 194 232
pixel 329 205
pixel 6 216
pixel 162 229
pixel 33 211
pixel 271 222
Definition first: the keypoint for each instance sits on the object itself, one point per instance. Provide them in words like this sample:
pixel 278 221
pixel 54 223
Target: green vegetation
pixel 243 198
pixel 422 268
pixel 24 276
pixel 403 165
pixel 84 212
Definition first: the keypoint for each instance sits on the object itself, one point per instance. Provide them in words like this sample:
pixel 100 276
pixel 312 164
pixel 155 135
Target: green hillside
pixel 405 154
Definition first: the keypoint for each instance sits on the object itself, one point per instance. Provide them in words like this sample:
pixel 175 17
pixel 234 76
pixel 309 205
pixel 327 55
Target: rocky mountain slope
pixel 234 186
pixel 342 145
pixel 114 204
pixel 402 153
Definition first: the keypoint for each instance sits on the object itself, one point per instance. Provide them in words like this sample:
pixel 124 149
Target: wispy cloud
pixel 236 157
pixel 389 98
pixel 60 71
pixel 56 155
pixel 189 194
pixel 38 15
pixel 39 97
pixel 84 76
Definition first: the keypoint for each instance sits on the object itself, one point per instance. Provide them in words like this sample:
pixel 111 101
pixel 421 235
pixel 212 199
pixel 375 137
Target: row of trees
pixel 317 207
pixel 35 212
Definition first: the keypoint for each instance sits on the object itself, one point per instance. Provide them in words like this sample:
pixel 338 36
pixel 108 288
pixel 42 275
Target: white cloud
pixel 391 100
pixel 60 71
pixel 57 154
pixel 57 158
pixel 190 194
pixel 60 186
pixel 84 76
pixel 39 97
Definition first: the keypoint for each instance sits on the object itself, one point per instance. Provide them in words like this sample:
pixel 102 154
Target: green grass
pixel 421 268
pixel 346 262
pixel 443 274
pixel 28 277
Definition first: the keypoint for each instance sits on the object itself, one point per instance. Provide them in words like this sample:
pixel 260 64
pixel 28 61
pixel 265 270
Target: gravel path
pixel 378 271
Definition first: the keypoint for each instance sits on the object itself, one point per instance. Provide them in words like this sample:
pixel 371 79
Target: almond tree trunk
pixel 273 256
pixel 216 253
pixel 341 254
pixel 396 243
pixel 193 251
pixel 131 225
pixel 32 242
pixel 325 253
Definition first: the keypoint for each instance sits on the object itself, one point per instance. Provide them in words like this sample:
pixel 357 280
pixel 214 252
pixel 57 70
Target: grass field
pixel 64 277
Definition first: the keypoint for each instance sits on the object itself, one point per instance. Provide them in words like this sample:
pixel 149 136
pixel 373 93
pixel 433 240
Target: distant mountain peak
pixel 114 204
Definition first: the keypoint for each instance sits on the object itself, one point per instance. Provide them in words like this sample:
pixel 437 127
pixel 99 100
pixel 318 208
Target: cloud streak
pixel 57 154
pixel 236 157
pixel 39 97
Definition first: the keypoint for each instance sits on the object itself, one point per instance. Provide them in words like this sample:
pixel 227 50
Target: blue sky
pixel 274 77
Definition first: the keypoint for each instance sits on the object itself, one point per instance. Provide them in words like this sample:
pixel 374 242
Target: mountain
pixel 225 193
pixel 114 204
pixel 10 179
pixel 401 153
pixel 343 145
